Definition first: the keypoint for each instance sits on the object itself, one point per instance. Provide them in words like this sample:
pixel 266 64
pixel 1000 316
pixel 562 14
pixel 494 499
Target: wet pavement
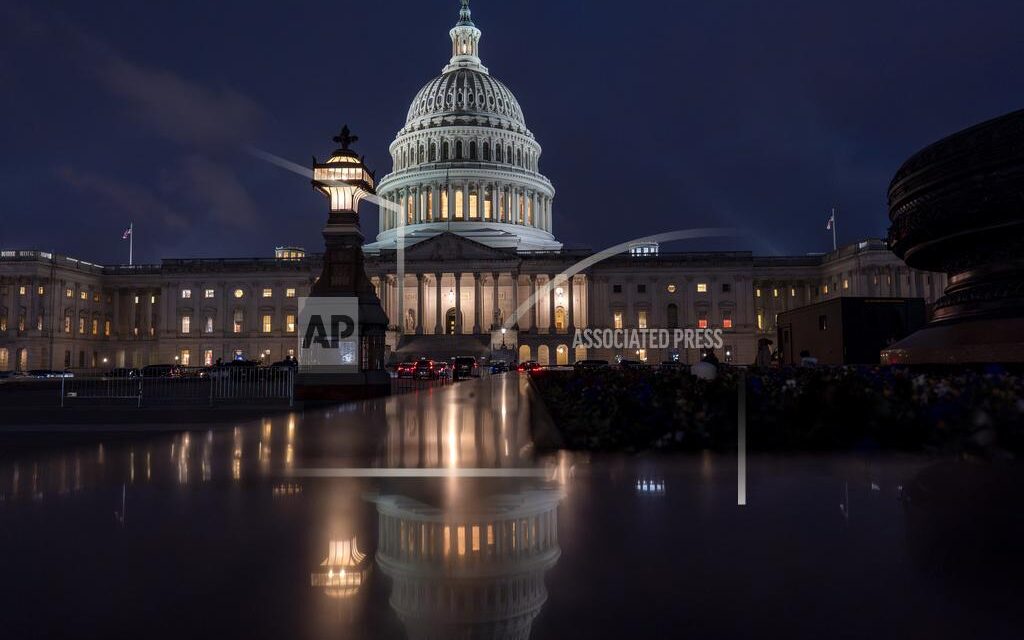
pixel 429 515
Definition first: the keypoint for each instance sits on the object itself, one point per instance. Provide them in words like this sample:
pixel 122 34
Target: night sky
pixel 653 116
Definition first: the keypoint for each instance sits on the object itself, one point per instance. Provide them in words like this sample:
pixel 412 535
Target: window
pixel 289 323
pixel 617 319
pixel 68 293
pixel 641 288
pixel 673 316
pixel 671 288
pixel 726 287
pixel 792 292
pixel 22 290
pixel 289 293
pixel 616 288
pixel 95 326
pixel 727 319
pixel 21 320
pixel 702 320
pixel 702 287
pixel 268 324
pixel 186 357
pixel 208 358
pixel 238 320
pixel 81 326
pixel 758 293
pixel 775 293
pixel 825 289
pixel 822 323
pixel 106 328
pixel 84 295
pixel 239 293
pixel 642 319
pixel 136 299
pixel 39 322
pixel 846 283
pixel 152 299
pixel 268 293
pixel 760 320
pixel 186 294
pixel 208 327
pixel 67 324
pixel 40 291
pixel 186 324
pixel 208 293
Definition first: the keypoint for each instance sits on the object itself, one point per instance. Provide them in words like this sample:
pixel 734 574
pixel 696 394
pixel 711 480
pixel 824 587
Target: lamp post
pixel 345 180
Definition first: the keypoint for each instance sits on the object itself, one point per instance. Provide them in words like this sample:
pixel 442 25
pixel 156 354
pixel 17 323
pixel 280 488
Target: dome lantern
pixel 465 43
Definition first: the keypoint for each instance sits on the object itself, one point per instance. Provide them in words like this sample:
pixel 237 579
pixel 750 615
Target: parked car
pixel 631 364
pixel 406 369
pixel 499 366
pixel 529 366
pixel 121 373
pixel 236 369
pixel 444 369
pixel 47 374
pixel 288 363
pixel 463 367
pixel 161 371
pixel 425 369
pixel 590 365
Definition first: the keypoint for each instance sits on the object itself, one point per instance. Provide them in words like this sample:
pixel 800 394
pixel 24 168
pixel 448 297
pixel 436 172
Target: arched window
pixel 472 150
pixel 419 154
pixel 519 157
pixel 508 154
pixel 433 152
pixel 497 153
pixel 672 314
pixel 487 151
pixel 458 150
pixel 446 151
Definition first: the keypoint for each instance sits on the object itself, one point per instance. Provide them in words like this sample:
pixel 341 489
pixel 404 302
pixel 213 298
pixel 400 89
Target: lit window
pixel 136 299
pixel 152 299
pixel 289 293
pixel 758 293
pixel 84 295
pixel 208 358
pixel 267 323
pixel 67 324
pixel 289 323
pixel 22 290
pixel 727 322
pixel 96 297
pixel 106 328
pixel 238 319
pixel 792 293
pixel 239 293
pixel 40 290
pixel 186 324
pixel 95 327
pixel 39 322
pixel 208 293
pixel 775 293
pixel 702 287
pixel 642 320
pixel 186 294
pixel 209 324
pixel 186 357
pixel 68 292
pixel 826 289
pixel 81 325
pixel 846 283
pixel 702 320
pixel 760 321
pixel 671 288
pixel 617 319
pixel 268 293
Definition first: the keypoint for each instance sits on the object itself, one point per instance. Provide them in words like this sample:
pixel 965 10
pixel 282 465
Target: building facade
pixel 465 263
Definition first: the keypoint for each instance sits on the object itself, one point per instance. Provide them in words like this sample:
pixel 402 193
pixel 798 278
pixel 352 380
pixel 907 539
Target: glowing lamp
pixel 343 178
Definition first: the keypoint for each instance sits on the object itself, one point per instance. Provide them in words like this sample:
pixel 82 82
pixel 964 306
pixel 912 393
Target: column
pixel 494 301
pixel 535 216
pixel 551 305
pixel 438 324
pixel 535 307
pixel 458 304
pixel 477 303
pixel 419 304
pixel 572 315
pixel 515 297
pixel 494 202
pixel 400 298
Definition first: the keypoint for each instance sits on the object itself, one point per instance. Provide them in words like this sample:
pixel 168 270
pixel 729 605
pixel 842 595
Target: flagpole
pixel 131 243
pixel 834 247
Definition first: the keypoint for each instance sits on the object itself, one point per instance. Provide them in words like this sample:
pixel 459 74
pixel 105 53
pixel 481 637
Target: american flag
pixel 126 234
pixel 831 221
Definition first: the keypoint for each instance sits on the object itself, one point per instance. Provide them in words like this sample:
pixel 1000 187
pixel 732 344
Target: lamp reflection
pixel 343 571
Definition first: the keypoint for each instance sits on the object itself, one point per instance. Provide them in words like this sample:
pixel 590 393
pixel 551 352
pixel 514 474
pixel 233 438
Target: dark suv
pixel 463 367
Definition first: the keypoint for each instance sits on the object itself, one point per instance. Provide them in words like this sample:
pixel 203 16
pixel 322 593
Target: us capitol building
pixel 474 214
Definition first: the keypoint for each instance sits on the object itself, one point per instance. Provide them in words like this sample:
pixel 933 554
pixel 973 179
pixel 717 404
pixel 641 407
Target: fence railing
pixel 211 387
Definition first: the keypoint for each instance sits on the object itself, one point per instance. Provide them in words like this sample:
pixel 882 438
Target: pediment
pixel 450 246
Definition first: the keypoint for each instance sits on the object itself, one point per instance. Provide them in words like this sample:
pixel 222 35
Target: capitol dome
pixel 465 162
pixel 466 96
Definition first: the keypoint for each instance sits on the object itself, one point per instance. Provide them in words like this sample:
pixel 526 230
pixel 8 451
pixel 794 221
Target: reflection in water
pixel 343 571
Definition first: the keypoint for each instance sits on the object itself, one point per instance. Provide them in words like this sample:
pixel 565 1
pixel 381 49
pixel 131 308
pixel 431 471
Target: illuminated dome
pixel 465 96
pixel 465 162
